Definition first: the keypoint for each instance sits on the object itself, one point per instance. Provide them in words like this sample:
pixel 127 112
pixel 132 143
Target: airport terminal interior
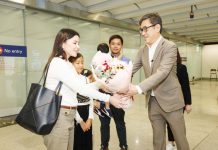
pixel 201 125
pixel 27 33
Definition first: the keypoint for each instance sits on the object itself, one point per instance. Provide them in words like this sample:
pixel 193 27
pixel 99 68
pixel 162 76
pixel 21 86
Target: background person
pixel 182 75
pixel 116 45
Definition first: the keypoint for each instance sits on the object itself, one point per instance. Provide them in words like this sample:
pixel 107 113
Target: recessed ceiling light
pixel 18 1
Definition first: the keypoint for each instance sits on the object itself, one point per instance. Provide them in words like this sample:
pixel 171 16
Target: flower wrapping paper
pixel 113 73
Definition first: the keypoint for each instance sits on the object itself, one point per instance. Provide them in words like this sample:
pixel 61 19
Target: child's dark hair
pixel 73 59
pixel 103 47
pixel 86 72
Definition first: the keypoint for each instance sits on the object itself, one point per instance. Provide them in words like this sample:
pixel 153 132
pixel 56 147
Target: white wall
pixel 209 59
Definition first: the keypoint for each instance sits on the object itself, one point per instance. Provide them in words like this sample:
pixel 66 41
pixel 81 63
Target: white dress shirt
pixel 151 51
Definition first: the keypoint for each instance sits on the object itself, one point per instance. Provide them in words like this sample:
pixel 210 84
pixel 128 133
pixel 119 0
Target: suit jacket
pixel 161 76
pixel 182 75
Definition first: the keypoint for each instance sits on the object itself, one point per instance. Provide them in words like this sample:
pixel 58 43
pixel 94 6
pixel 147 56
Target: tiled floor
pixel 201 124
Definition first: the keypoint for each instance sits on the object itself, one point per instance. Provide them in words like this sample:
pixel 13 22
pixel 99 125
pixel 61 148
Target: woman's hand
pixel 104 88
pixel 188 108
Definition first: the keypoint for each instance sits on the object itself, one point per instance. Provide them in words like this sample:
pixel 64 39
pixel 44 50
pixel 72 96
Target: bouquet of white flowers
pixel 112 73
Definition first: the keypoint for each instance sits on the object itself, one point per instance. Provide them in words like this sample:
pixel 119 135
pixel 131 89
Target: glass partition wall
pixel 12 69
pixel 37 30
pixel 41 29
pixel 191 57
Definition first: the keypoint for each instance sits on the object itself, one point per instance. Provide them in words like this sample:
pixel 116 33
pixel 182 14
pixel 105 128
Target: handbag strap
pixel 44 75
pixel 58 87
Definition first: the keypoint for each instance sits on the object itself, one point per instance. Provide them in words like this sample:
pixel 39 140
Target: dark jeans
pixel 118 115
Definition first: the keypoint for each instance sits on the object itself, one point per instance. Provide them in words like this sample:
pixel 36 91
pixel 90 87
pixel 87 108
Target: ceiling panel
pixel 88 3
pixel 124 9
pixel 175 14
pixel 57 1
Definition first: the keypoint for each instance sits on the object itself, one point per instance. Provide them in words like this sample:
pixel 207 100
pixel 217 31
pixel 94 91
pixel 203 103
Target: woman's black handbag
pixel 42 107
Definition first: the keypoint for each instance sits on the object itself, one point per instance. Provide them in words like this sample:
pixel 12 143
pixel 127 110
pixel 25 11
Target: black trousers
pixel 118 115
pixel 170 133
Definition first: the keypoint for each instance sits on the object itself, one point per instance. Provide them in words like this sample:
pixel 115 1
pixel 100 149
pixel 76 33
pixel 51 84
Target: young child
pixel 103 107
pixel 84 114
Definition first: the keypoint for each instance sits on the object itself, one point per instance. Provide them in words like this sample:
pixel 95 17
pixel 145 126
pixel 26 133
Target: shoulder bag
pixel 42 107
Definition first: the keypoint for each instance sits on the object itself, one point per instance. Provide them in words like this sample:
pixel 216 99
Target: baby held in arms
pixel 113 74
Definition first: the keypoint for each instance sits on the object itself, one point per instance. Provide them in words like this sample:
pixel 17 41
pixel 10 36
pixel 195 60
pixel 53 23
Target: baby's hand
pixel 97 104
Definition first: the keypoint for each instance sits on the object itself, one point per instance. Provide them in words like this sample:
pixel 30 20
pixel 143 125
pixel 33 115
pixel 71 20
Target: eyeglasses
pixel 144 29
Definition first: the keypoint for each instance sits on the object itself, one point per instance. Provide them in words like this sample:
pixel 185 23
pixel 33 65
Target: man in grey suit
pixel 163 91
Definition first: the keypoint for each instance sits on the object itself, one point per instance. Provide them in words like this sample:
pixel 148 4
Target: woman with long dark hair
pixel 66 44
